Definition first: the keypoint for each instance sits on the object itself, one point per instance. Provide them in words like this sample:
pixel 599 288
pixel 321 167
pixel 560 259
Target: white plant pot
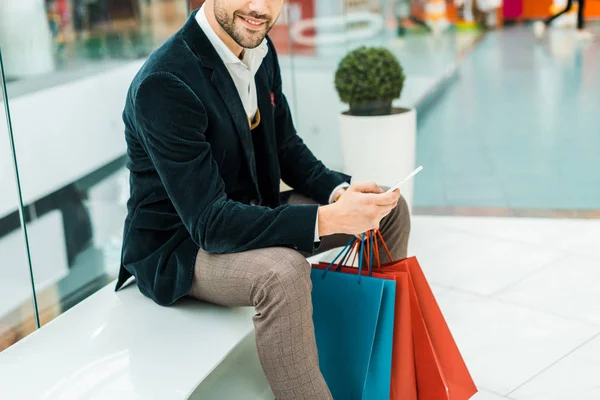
pixel 380 148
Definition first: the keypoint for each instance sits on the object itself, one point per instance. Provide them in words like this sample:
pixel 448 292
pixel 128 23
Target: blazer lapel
pixel 265 106
pixel 226 88
pixel 224 85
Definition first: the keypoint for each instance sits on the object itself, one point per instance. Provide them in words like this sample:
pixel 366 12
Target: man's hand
pixel 360 209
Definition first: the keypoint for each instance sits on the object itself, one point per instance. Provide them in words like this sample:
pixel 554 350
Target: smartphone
pixel 403 181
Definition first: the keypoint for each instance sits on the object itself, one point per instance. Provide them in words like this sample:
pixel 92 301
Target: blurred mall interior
pixel 506 213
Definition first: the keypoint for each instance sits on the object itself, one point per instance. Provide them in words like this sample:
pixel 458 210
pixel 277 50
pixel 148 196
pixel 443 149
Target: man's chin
pixel 252 43
pixel 249 39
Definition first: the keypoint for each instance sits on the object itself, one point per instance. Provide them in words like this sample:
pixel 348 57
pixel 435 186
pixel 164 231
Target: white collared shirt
pixel 242 71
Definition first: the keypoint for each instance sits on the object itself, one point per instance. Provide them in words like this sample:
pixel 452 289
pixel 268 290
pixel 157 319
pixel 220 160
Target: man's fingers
pixel 385 214
pixel 366 187
pixel 378 212
pixel 383 199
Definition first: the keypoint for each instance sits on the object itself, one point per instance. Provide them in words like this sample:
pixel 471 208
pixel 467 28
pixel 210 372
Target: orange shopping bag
pixel 426 363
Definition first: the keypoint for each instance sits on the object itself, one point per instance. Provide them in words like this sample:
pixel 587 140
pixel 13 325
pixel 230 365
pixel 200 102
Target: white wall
pixel 63 133
pixel 317 116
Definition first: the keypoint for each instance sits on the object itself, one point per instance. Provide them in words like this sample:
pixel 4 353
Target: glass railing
pixel 18 316
pixel 68 65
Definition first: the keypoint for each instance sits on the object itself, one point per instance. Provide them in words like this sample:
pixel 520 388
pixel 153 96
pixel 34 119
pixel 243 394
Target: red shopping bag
pixel 426 362
pixel 440 369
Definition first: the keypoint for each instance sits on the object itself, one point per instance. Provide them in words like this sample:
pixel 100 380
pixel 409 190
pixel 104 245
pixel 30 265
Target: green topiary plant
pixel 369 79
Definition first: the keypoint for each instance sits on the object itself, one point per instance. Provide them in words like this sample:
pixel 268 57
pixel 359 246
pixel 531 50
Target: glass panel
pixel 286 51
pixel 424 37
pixel 69 71
pixel 47 43
pixel 322 32
pixel 17 315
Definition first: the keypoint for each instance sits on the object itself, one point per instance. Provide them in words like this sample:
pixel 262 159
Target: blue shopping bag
pixel 354 323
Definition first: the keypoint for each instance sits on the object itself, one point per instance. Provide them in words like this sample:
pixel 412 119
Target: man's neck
pixel 224 36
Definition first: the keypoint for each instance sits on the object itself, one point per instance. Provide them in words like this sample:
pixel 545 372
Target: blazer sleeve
pixel 171 123
pixel 300 169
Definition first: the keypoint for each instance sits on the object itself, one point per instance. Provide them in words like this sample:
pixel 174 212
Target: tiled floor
pixel 521 298
pixel 518 129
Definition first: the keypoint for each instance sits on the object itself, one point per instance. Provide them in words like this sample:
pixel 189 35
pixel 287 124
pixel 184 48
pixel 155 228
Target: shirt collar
pixel 224 52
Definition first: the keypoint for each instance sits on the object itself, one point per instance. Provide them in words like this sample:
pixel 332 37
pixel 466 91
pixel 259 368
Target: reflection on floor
pixel 518 129
pixel 521 298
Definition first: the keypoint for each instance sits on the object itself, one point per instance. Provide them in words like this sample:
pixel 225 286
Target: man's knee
pixel 292 267
pixel 399 218
pixel 287 269
pixel 402 207
pixel 401 210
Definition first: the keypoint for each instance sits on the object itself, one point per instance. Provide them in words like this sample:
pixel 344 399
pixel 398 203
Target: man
pixel 209 136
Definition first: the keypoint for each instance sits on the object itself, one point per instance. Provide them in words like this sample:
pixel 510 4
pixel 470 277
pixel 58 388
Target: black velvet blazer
pixel 193 171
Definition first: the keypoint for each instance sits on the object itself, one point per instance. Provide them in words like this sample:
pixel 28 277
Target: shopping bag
pixel 403 380
pixel 354 321
pixel 426 362
pixel 441 372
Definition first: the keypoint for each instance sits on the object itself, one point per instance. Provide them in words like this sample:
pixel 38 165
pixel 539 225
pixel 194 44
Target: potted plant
pixel 378 140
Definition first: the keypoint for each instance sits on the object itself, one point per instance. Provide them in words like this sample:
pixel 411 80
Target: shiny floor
pixel 521 298
pixel 519 128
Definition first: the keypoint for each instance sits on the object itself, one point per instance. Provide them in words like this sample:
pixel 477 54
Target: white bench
pixel 124 346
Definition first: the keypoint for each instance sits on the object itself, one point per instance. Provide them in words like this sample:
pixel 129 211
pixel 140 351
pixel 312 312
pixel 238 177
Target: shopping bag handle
pixel 365 252
pixel 371 236
pixel 347 248
pixel 346 253
pixel 387 250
